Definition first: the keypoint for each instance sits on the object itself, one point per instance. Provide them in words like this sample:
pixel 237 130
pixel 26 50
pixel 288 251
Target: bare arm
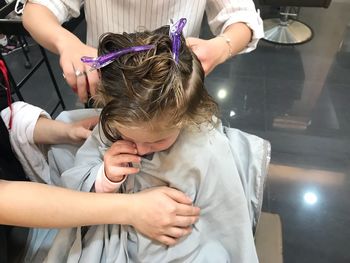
pixel 163 214
pixel 39 205
pixel 51 36
pixel 240 35
pixel 64 43
pixel 49 131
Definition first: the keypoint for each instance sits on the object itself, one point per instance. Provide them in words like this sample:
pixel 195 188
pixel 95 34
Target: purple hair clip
pixel 175 35
pixel 104 60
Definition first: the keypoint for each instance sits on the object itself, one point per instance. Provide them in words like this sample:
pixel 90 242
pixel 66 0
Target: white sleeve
pixel 62 9
pixel 222 13
pixel 104 185
pixel 25 117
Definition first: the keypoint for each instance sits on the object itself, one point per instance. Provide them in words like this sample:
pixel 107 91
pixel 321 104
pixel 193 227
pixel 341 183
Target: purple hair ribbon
pixel 104 60
pixel 175 35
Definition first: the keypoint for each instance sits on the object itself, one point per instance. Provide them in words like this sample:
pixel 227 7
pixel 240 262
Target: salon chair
pixel 287 30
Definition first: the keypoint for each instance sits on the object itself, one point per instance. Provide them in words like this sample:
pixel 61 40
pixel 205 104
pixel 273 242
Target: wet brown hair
pixel 146 86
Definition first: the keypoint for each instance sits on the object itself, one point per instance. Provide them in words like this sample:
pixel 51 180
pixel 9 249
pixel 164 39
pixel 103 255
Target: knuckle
pixel 166 221
pixel 180 233
pixel 172 209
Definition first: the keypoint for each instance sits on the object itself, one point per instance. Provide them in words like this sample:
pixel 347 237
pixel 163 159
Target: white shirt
pixel 119 16
pixel 21 136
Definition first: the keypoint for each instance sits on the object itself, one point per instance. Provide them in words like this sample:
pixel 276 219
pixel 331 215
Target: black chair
pixel 286 29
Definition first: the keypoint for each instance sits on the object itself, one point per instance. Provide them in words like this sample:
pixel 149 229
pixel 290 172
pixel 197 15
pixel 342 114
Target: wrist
pixel 116 179
pixel 67 41
pixel 226 46
pixel 122 202
pixel 68 135
pixel 132 211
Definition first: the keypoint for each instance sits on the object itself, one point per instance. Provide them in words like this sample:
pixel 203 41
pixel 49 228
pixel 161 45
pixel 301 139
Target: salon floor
pixel 296 97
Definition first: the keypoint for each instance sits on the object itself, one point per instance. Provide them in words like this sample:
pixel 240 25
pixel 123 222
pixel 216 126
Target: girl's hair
pixel 140 87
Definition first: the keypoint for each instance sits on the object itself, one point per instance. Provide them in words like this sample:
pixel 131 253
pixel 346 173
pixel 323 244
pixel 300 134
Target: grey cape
pixel 222 169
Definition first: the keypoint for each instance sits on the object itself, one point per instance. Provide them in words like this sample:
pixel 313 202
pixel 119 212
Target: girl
pixel 158 128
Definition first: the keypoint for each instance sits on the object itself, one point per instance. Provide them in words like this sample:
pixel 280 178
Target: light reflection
pixel 232 113
pixel 310 198
pixel 222 93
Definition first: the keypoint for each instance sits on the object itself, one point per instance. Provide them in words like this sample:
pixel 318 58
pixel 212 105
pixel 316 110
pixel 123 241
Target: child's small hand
pixel 117 159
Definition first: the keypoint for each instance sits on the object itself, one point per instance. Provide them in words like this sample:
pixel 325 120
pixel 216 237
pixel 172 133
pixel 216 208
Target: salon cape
pixel 222 169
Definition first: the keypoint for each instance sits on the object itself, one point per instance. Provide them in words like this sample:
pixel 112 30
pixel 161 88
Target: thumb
pixel 177 196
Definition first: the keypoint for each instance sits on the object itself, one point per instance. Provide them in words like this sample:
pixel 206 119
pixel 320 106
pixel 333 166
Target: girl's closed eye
pixel 149 140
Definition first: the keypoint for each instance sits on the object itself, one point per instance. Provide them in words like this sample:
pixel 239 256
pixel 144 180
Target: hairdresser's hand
pixel 81 130
pixel 117 159
pixel 210 52
pixel 163 214
pixel 77 74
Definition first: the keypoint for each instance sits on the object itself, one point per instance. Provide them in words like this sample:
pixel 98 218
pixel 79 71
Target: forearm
pixel 240 35
pixel 49 131
pixel 39 205
pixel 51 35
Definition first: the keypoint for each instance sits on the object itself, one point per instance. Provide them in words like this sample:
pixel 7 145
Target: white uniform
pixel 119 16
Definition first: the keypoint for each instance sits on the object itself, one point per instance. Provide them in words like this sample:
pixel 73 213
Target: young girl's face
pixel 148 140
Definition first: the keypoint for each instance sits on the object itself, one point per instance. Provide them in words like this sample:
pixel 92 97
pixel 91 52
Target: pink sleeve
pixel 104 185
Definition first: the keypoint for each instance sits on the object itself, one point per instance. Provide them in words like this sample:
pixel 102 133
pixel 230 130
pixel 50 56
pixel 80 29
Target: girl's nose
pixel 143 148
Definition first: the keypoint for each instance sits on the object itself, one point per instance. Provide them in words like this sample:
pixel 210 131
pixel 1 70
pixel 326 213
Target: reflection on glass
pixel 310 198
pixel 222 93
pixel 232 113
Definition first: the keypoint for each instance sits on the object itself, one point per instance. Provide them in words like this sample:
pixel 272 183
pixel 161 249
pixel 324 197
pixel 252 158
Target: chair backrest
pixel 299 3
